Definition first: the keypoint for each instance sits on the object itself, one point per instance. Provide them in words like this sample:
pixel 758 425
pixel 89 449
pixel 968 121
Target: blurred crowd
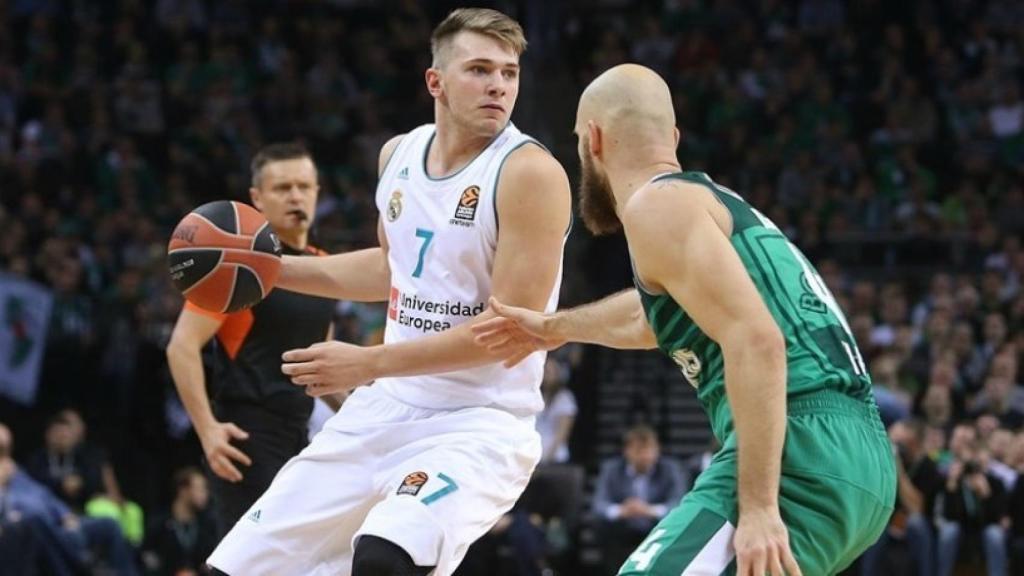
pixel 885 138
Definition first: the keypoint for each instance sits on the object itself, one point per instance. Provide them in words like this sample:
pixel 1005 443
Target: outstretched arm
pixel 359 276
pixel 679 238
pixel 615 321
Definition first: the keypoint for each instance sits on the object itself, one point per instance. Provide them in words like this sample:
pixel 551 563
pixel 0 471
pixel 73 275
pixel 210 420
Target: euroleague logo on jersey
pixel 412 483
pixel 465 212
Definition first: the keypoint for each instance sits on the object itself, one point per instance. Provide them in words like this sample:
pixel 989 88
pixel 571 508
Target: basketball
pixel 224 257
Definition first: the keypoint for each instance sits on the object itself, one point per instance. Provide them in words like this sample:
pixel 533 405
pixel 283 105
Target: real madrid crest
pixel 395 206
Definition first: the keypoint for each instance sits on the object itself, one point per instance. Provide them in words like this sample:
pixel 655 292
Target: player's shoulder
pixel 532 189
pixel 682 199
pixel 672 188
pixel 532 164
pixel 386 151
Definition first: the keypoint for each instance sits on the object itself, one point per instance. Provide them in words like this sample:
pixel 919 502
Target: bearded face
pixel 597 202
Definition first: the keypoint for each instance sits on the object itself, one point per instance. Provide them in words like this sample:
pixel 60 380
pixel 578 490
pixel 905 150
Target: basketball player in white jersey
pixel 417 466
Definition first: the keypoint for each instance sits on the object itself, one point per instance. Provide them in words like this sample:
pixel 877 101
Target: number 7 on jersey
pixel 427 236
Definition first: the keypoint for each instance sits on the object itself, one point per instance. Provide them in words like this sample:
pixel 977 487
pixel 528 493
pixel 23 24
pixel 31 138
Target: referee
pixel 258 417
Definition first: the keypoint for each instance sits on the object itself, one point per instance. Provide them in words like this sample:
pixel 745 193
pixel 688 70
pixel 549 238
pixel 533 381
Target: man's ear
pixel 256 197
pixel 433 79
pixel 595 139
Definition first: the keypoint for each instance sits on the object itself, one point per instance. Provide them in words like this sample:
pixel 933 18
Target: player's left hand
pixel 328 367
pixel 762 545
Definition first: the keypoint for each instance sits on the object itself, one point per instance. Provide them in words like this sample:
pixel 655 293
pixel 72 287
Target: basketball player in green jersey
pixel 805 480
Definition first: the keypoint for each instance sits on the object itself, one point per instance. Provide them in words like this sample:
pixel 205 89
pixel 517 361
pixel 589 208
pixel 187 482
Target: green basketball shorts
pixel 837 491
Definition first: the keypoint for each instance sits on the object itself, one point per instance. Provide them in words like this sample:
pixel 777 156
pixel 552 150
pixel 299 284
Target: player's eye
pixel 510 74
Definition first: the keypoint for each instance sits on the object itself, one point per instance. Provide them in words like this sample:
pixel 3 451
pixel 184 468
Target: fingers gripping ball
pixel 224 257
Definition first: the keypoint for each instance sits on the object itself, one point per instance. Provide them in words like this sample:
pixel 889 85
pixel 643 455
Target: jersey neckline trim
pixel 657 177
pixel 678 174
pixel 430 140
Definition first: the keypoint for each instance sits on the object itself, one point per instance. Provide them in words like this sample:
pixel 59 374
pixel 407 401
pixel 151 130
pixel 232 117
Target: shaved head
pixel 625 118
pixel 631 103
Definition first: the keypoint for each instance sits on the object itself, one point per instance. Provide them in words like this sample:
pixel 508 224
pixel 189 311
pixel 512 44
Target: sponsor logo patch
pixel 412 483
pixel 428 315
pixel 404 174
pixel 689 363
pixel 809 301
pixel 254 516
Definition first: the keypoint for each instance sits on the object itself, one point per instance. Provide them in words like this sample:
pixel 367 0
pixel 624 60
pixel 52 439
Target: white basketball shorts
pixel 430 481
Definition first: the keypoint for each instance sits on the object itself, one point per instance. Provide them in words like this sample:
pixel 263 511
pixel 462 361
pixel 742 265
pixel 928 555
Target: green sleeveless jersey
pixel 821 353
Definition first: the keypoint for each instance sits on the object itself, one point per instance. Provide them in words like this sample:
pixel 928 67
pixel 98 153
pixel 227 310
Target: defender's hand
pixel 329 367
pixel 762 545
pixel 517 332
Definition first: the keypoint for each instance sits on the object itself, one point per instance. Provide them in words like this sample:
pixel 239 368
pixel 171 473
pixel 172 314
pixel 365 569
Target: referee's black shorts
pixel 273 440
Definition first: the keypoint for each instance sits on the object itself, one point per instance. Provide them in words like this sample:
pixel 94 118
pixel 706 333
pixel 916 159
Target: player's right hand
pixel 221 456
pixel 762 546
pixel 516 333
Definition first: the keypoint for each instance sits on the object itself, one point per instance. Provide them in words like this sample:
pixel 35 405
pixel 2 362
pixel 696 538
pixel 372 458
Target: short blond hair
pixel 480 20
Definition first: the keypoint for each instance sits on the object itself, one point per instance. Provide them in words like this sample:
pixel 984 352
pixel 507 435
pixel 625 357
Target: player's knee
pixel 378 557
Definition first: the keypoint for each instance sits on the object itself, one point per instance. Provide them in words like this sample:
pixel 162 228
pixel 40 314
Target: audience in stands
pixel 73 475
pixel 633 493
pixel 179 540
pixel 554 423
pixel 1014 519
pixel 973 503
pixel 918 485
pixel 68 542
pixel 884 137
pixel 20 546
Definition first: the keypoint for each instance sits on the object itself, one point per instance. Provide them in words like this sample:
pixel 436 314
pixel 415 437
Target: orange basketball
pixel 224 257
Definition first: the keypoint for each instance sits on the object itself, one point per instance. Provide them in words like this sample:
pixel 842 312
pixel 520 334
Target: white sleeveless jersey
pixel 442 234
